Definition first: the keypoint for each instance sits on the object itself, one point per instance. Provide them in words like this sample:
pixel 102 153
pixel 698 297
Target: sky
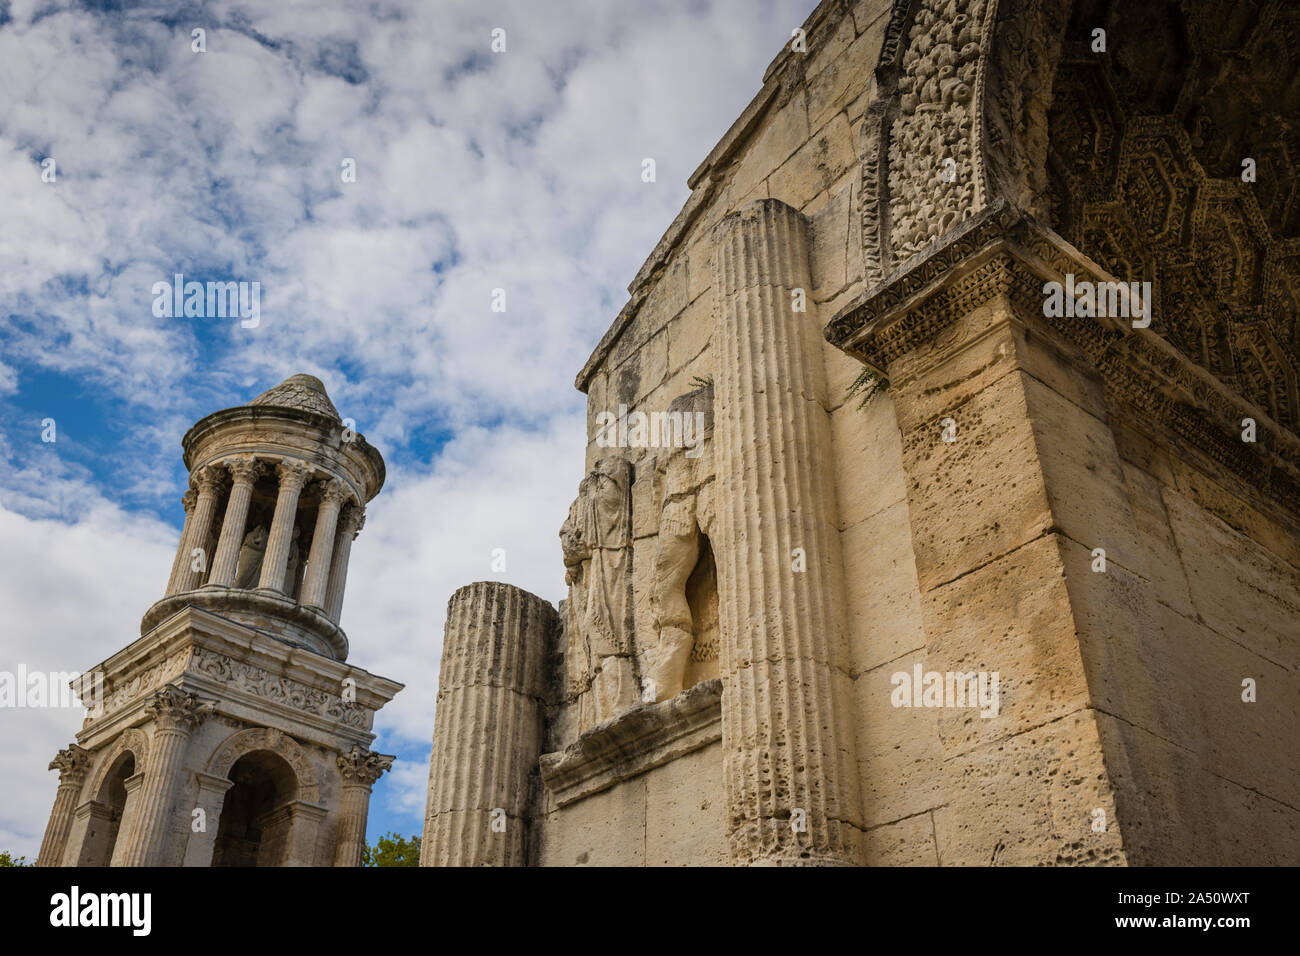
pixel 475 170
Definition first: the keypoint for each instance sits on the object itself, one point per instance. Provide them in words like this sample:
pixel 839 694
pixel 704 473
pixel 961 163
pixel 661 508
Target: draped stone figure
pixel 293 567
pixel 597 544
pixel 251 551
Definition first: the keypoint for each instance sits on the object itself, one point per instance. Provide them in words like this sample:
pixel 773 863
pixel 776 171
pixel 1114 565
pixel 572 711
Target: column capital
pixel 352 519
pixel 188 500
pixel 332 490
pixel 175 709
pixel 362 767
pixel 72 763
pixel 293 474
pixel 245 469
pixel 208 479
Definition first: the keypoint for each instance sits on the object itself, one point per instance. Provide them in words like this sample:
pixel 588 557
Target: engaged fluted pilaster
pixel 360 769
pixel 488 728
pixel 791 784
pixel 175 714
pixel 72 763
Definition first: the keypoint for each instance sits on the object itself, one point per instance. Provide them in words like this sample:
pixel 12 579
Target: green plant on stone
pixel 869 384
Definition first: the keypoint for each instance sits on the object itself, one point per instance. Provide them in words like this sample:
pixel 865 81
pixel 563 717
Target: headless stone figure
pixel 676 554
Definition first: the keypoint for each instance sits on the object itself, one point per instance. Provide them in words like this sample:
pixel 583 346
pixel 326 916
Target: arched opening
pixel 702 596
pixel 106 814
pixel 255 819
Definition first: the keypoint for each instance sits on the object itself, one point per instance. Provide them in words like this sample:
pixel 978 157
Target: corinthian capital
pixel 72 763
pixel 361 766
pixel 209 480
pixel 174 709
pixel 352 519
pixel 293 474
pixel 333 491
pixel 188 500
pixel 245 468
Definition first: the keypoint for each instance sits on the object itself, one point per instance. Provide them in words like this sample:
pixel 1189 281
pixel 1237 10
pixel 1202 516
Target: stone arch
pixel 1098 147
pixel 961 80
pixel 132 739
pixel 265 738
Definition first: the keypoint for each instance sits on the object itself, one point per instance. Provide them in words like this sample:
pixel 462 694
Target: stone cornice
pixel 1003 252
pixel 248 671
pixel 632 743
pixel 230 419
pixel 313 626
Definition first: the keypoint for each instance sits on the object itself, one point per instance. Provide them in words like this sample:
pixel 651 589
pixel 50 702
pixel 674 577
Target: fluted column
pixel 180 564
pixel 360 769
pixel 351 520
pixel 175 714
pixel 332 496
pixel 209 481
pixel 488 726
pixel 72 763
pixel 788 742
pixel 292 475
pixel 244 472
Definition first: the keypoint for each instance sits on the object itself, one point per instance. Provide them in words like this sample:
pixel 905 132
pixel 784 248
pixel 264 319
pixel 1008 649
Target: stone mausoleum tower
pixel 233 732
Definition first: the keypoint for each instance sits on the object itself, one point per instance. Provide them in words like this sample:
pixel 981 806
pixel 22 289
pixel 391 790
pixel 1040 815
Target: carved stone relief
pixel 597 544
pixel 285 690
pixel 684 594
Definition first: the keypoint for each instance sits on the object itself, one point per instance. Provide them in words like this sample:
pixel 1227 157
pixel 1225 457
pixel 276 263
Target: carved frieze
pixel 118 692
pixel 284 690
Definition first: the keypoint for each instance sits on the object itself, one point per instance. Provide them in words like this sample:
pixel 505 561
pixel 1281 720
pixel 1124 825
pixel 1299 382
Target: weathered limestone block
pixel 792 787
pixel 908 842
pixel 1013 478
pixel 686 815
pixel 488 729
pixel 782 135
pixel 816 167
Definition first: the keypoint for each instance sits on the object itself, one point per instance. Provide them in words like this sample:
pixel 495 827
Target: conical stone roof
pixel 303 392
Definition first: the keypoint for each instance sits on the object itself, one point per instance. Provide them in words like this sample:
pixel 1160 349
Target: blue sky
pixel 475 171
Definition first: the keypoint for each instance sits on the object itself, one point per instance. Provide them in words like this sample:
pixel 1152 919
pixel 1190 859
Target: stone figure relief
pixel 597 544
pixel 684 481
pixel 249 569
pixel 676 553
pixel 293 567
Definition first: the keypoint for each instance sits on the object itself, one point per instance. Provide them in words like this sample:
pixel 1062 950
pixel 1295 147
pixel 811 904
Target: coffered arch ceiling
pixel 1134 155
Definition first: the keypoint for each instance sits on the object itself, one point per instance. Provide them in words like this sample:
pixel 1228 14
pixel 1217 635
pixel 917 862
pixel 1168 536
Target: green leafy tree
pixel 8 859
pixel 392 850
